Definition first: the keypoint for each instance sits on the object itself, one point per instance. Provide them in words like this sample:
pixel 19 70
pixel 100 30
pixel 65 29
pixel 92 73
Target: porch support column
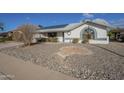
pixel 63 36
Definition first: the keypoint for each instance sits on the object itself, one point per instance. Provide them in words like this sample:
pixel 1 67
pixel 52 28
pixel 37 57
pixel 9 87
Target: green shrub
pixel 52 39
pixel 83 41
pixel 49 39
pixel 8 38
pixel 42 40
pixel 3 39
pixel 112 35
pixel 75 40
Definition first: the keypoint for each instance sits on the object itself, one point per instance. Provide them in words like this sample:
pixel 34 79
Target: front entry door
pixel 88 34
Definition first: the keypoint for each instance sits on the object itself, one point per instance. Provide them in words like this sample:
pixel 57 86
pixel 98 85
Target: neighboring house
pixel 119 34
pixel 3 34
pixel 93 32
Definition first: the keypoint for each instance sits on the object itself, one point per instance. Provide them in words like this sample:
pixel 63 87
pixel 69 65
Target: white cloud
pixel 118 23
pixel 88 15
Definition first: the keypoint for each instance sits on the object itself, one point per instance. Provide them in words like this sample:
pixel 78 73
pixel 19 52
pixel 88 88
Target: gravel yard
pixel 117 48
pixel 4 76
pixel 101 64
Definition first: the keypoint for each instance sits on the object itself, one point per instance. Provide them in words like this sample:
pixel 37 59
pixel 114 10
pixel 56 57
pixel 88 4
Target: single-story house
pixel 93 32
pixel 4 34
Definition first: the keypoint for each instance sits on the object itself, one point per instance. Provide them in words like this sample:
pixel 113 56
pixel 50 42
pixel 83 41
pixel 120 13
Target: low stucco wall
pixel 99 41
pixel 69 40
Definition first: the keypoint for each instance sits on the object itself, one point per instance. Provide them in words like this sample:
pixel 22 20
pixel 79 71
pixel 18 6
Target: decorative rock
pixel 100 64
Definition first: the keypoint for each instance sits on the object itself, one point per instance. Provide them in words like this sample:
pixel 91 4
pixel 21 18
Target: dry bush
pixel 24 33
pixel 75 40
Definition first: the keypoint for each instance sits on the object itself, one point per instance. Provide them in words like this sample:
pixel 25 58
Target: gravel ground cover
pixel 3 76
pixel 115 47
pixel 102 64
pixel 71 50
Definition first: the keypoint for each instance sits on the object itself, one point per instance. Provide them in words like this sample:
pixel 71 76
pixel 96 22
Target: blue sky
pixel 12 20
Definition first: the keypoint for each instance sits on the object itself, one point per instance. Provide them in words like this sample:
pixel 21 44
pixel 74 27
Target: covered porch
pixel 52 36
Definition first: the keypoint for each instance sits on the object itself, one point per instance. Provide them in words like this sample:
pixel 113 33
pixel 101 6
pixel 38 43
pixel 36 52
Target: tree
pixel 25 33
pixel 112 34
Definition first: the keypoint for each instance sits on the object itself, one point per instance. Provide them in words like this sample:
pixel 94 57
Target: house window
pixel 52 34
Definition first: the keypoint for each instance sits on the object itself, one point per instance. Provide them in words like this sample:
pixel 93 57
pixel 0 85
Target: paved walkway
pixel 13 68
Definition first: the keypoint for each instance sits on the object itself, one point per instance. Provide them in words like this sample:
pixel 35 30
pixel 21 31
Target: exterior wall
pixel 101 33
pixel 73 34
pixel 60 36
pixel 76 33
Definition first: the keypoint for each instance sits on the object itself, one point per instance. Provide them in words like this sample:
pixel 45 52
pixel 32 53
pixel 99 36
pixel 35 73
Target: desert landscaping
pixel 89 49
pixel 80 61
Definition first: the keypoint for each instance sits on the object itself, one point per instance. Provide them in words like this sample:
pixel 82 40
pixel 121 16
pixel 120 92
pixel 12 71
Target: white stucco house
pixel 95 31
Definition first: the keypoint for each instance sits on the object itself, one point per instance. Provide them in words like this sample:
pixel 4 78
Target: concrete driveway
pixel 9 44
pixel 16 69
